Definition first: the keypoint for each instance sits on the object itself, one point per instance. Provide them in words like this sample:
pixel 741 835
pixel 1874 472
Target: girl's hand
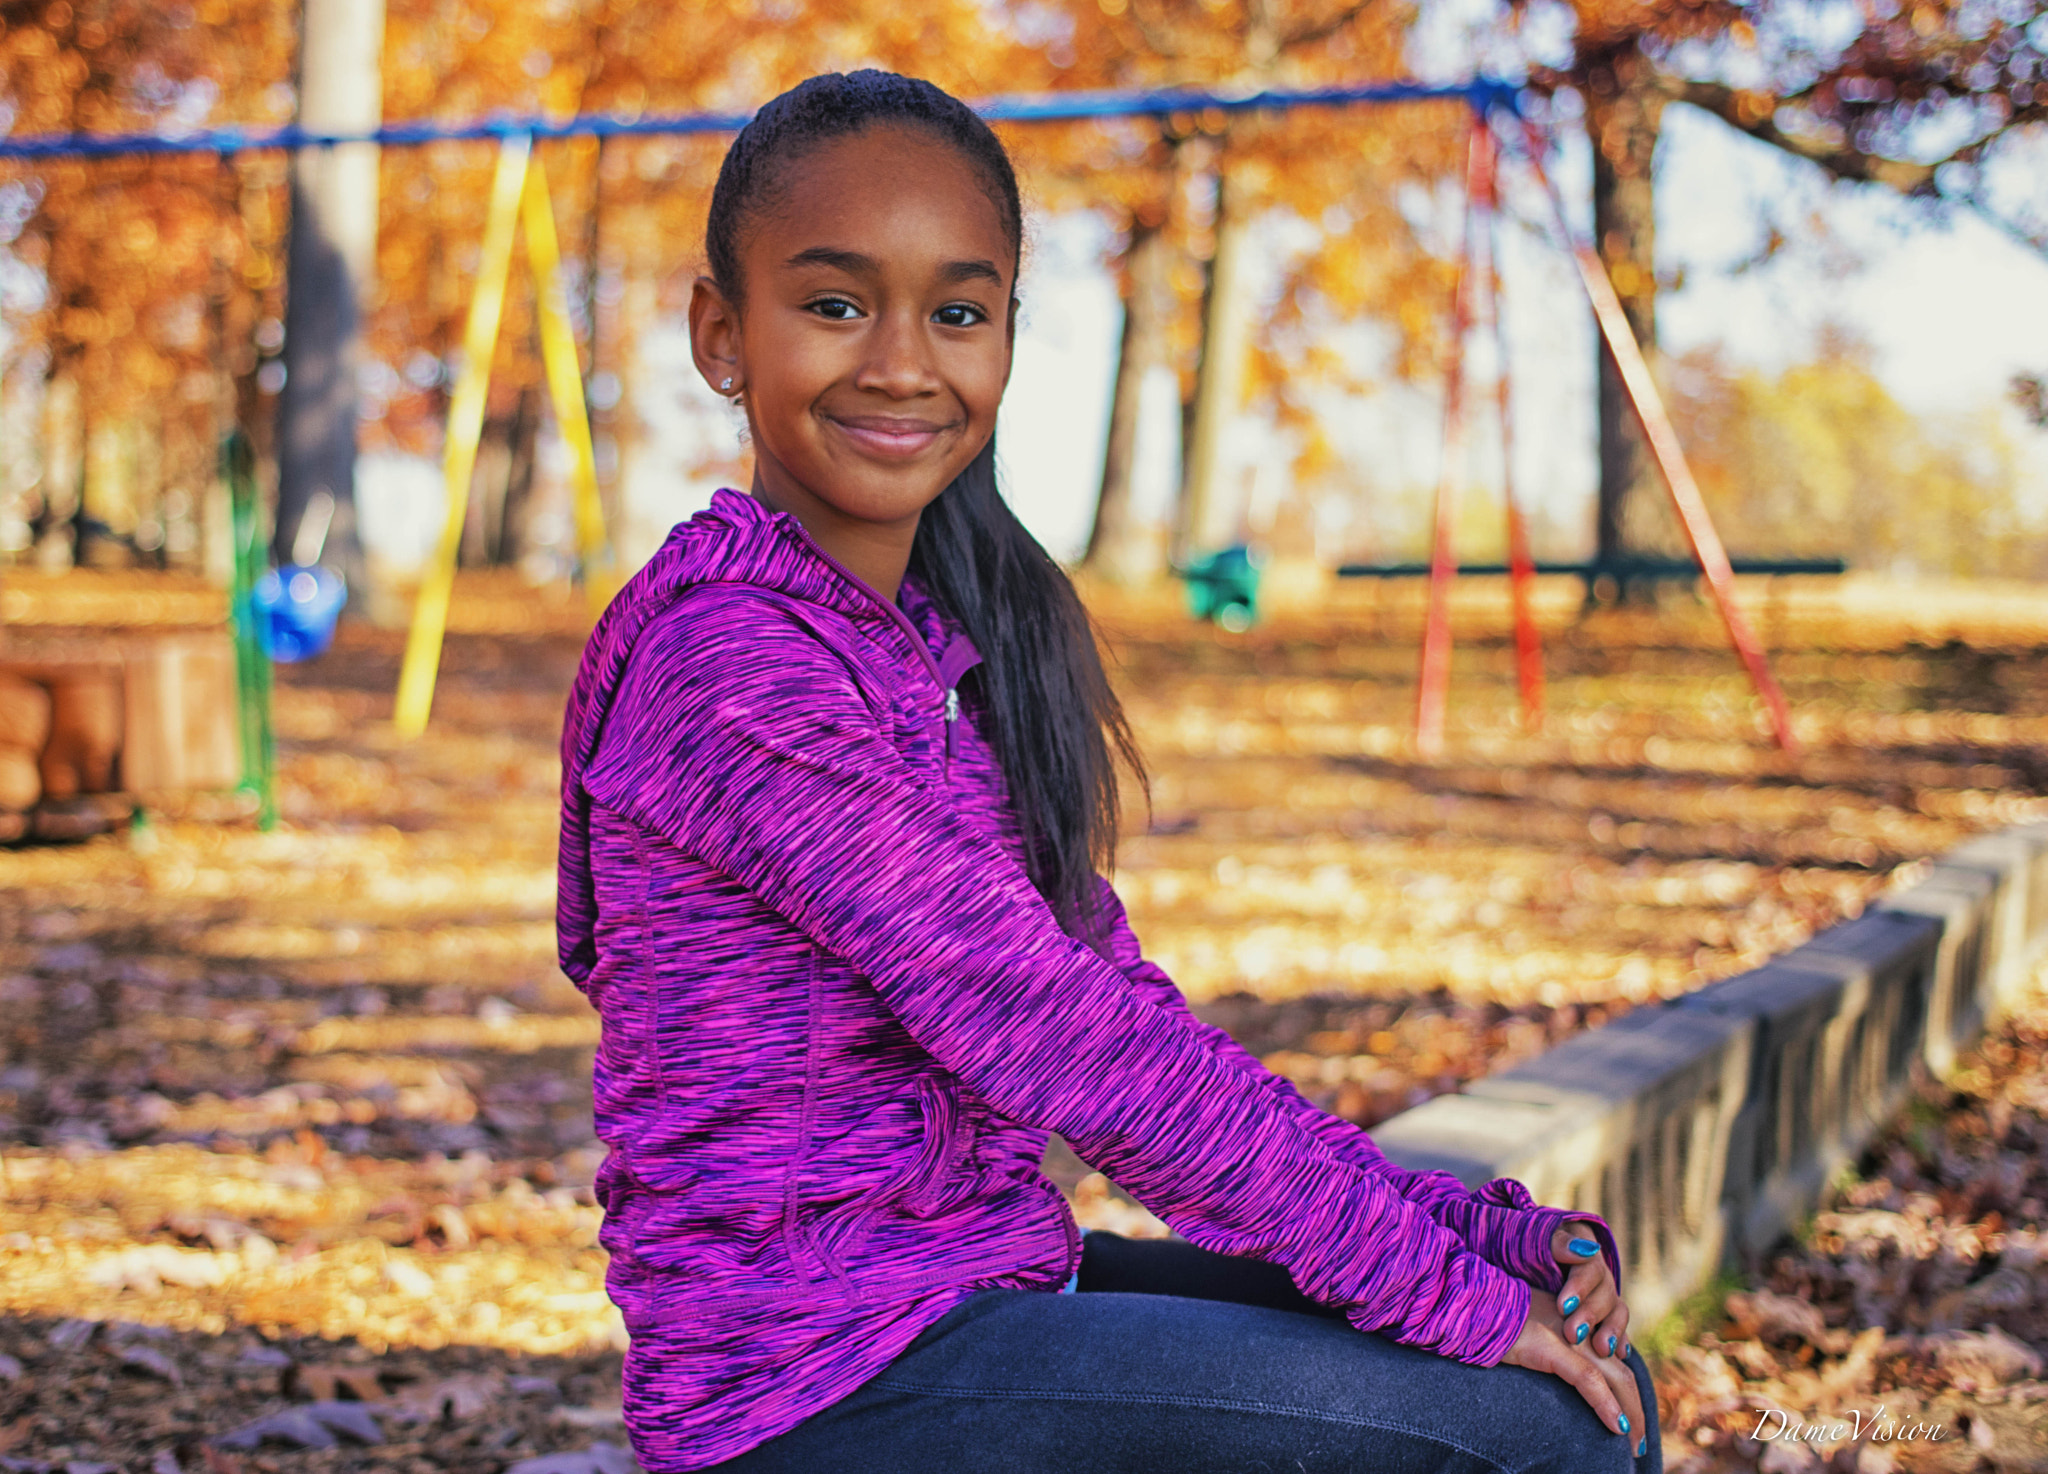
pixel 1589 1305
pixel 1606 1383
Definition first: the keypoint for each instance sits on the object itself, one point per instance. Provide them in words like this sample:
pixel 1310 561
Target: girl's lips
pixel 890 439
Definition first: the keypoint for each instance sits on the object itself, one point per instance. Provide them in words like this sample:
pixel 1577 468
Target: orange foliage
pixel 160 271
pixel 1343 172
pixel 157 270
pixel 632 209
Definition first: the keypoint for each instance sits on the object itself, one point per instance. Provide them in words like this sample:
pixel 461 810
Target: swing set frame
pixel 1478 294
pixel 519 195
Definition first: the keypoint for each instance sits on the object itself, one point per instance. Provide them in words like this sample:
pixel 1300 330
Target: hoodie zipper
pixel 796 530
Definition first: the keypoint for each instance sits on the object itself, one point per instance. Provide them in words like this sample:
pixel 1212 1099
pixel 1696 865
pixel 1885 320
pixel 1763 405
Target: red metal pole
pixel 1685 492
pixel 1432 687
pixel 1521 566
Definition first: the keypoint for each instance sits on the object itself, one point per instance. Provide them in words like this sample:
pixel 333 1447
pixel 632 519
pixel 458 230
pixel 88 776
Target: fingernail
pixel 1624 1422
pixel 1571 1303
pixel 1628 1350
pixel 1584 1248
pixel 1641 1445
pixel 1610 1344
pixel 1581 1337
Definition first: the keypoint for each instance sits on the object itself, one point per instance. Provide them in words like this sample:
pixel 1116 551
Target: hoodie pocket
pixel 933 1182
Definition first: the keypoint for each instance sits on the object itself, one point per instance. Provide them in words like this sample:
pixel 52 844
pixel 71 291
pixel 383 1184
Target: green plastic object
pixel 1224 588
pixel 252 664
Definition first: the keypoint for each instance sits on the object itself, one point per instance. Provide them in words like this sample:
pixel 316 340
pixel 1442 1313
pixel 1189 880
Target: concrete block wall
pixel 1706 1128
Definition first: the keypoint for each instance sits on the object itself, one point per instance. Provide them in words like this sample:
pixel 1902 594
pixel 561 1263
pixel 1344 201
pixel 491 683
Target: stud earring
pixel 725 385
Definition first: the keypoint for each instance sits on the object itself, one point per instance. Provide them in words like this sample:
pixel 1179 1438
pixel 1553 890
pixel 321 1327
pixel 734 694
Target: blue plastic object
pixel 296 608
pixel 1224 587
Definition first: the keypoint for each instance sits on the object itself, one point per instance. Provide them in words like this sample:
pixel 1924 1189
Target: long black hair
pixel 1056 726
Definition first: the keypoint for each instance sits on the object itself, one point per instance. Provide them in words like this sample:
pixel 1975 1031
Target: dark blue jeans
pixel 1180 1361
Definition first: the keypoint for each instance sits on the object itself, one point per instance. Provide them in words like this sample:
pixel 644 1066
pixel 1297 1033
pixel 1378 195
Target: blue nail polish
pixel 1571 1303
pixel 1584 1248
pixel 1641 1445
pixel 1624 1422
pixel 1611 1342
pixel 1582 1333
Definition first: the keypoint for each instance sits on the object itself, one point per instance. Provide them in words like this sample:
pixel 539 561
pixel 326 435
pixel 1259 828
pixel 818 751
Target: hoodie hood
pixel 736 540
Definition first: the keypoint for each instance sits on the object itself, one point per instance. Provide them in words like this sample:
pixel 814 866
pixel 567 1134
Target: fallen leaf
pixel 1787 1456
pixel 409 1279
pixel 1777 1317
pixel 455 1398
pixel 324 1381
pixel 149 1359
pixel 1987 1358
pixel 147 1268
pixel 69 1335
pixel 599 1458
pixel 314 1425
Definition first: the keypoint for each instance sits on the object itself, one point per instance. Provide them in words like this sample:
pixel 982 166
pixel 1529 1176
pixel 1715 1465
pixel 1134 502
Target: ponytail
pixel 1046 703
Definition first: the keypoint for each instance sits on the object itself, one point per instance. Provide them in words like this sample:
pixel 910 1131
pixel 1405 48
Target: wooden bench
pixel 93 721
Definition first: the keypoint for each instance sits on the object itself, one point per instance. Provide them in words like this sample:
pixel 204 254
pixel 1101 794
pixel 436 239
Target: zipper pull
pixel 952 703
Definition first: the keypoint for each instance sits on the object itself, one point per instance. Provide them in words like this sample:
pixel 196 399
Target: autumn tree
pixel 158 275
pixel 631 209
pixel 1860 90
pixel 1821 460
pixel 1185 195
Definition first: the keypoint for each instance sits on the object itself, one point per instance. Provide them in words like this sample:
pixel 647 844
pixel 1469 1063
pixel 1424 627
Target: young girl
pixel 837 786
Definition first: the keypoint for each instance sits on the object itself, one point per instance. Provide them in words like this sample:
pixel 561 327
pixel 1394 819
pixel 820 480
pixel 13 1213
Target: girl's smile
pixel 872 339
pixel 886 437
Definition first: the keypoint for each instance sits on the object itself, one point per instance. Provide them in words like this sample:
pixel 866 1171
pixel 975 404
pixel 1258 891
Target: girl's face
pixel 874 340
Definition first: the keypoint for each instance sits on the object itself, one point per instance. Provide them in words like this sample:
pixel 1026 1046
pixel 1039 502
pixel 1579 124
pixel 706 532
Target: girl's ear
pixel 715 338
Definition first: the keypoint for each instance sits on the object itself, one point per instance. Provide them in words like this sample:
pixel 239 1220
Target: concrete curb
pixel 1706 1128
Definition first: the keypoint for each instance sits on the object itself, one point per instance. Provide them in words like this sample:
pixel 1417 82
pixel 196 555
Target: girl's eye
pixel 837 309
pixel 959 315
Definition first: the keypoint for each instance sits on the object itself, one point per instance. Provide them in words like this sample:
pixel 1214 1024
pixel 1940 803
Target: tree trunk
pixel 1120 547
pixel 499 483
pixel 1624 110
pixel 1209 520
pixel 332 260
pixel 56 526
pixel 523 443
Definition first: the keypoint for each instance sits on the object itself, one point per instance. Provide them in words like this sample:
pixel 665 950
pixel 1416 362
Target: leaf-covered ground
pixel 1907 1330
pixel 273 1104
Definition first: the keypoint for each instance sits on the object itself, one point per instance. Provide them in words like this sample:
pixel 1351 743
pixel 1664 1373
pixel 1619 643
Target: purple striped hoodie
pixel 839 1021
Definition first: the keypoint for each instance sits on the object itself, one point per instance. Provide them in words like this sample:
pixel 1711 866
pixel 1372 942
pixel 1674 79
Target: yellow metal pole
pixel 465 428
pixel 565 384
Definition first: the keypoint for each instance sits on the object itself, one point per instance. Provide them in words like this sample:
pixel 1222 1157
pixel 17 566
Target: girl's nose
pixel 898 361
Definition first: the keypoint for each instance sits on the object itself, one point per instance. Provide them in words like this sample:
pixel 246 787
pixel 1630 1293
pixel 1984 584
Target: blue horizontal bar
pixel 1042 108
pixel 1624 568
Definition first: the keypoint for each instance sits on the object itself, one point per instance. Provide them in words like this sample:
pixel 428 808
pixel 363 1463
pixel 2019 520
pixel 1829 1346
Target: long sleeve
pixel 754 747
pixel 1501 1223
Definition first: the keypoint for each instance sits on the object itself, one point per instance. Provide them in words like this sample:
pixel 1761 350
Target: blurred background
pixel 294 1104
pixel 1886 334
